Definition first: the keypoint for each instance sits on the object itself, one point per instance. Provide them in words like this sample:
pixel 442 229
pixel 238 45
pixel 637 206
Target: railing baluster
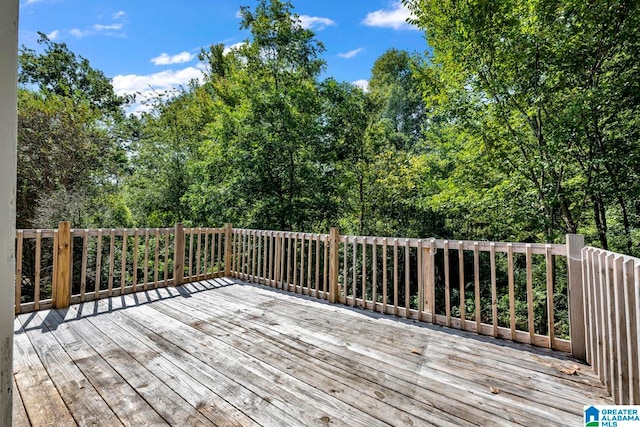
pixel 83 269
pixel 630 307
pixel 191 230
pixel 199 254
pixel 395 277
pixel 407 280
pixel 135 260
pixel 18 301
pixel 317 258
pixel 447 284
pixel 462 303
pixel 289 258
pixel 374 273
pixel 602 321
pixel 476 281
pixel 345 268
pixel 123 265
pixel 384 275
pixel 112 258
pixel 550 296
pixel 166 258
pixel 146 260
pixel 96 289
pixel 157 258
pixel 494 289
pixel 530 319
pixel 421 282
pixel 302 242
pixel 622 362
pixel 36 288
pixel 309 261
pixel 205 253
pixel 632 276
pixel 611 330
pixel 512 299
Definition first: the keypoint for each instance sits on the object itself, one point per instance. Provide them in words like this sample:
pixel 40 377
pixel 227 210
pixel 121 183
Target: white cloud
pixel 233 47
pixel 79 33
pixel 33 1
pixel 395 18
pixel 118 15
pixel 100 27
pixel 145 87
pixel 180 58
pixel 362 84
pixel 315 22
pixel 239 14
pixel 53 35
pixel 351 53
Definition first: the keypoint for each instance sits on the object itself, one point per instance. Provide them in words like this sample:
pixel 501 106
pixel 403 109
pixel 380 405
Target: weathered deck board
pixel 215 353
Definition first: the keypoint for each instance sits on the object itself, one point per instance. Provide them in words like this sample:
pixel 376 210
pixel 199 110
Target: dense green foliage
pixel 520 124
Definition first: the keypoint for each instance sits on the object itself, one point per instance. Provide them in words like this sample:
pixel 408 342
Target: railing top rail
pixel 245 231
pixel 483 245
pixel 609 253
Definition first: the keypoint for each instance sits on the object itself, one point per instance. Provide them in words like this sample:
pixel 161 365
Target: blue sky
pixel 144 44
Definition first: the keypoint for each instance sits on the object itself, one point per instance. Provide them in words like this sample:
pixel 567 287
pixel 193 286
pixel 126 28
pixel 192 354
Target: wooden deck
pixel 228 353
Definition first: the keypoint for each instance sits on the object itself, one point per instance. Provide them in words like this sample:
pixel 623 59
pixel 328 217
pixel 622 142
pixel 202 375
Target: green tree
pixel 267 121
pixel 70 138
pixel 58 71
pixel 548 90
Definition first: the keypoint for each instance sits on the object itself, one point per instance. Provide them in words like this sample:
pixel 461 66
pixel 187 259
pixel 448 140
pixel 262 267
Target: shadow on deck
pixel 223 352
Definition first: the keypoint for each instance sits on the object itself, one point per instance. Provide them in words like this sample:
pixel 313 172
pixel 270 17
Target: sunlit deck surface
pixel 228 353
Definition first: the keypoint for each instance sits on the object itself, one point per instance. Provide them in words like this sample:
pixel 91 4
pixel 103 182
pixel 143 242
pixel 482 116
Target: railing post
pixel 334 241
pixel 575 243
pixel 178 255
pixel 428 258
pixel 62 291
pixel 228 233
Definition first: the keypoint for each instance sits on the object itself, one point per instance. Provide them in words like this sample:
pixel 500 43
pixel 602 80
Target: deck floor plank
pixel 510 355
pixel 42 402
pixel 448 383
pixel 255 406
pixel 395 409
pixel 534 364
pixel 126 403
pixel 85 404
pixel 20 417
pixel 283 389
pixel 211 405
pixel 480 364
pixel 221 352
pixel 165 401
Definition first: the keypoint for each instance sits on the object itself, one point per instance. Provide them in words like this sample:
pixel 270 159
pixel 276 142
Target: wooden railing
pixel 565 297
pixel 457 284
pixel 612 319
pixel 58 267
